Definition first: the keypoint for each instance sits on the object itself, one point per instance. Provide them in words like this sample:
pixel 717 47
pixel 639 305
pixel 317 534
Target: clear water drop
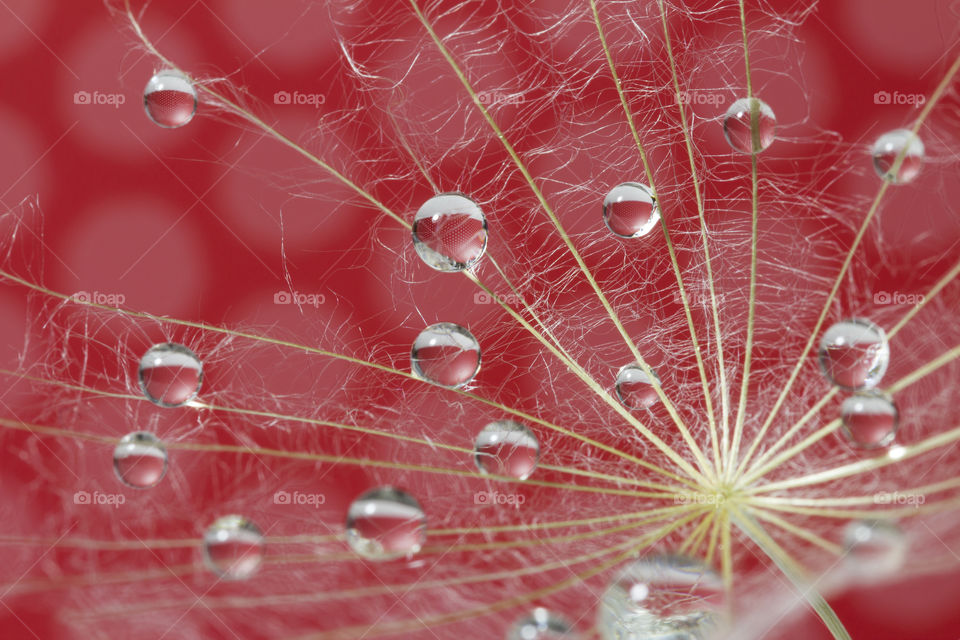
pixel 140 460
pixel 170 99
pixel 635 389
pixel 507 448
pixel 170 374
pixel 386 523
pixel 854 354
pixel 665 597
pixel 870 419
pixel 898 156
pixel 233 547
pixel 874 548
pixel 541 624
pixel 630 210
pixel 740 130
pixel 450 232
pixel 446 354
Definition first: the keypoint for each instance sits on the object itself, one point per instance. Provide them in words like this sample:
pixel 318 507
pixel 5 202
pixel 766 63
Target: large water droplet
pixel 140 460
pixel 386 523
pixel 507 448
pixel 450 232
pixel 446 354
pixel 170 99
pixel 870 419
pixel 874 548
pixel 630 210
pixel 854 354
pixel 233 547
pixel 170 374
pixel 635 389
pixel 664 596
pixel 541 624
pixel 898 156
pixel 749 125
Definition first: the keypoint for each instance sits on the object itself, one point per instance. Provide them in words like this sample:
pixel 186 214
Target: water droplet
pixel 233 547
pixel 898 156
pixel 874 548
pixel 630 210
pixel 664 596
pixel 541 624
pixel 737 125
pixel 870 419
pixel 854 354
pixel 170 375
pixel 140 460
pixel 386 523
pixel 170 99
pixel 507 448
pixel 446 354
pixel 635 389
pixel 450 232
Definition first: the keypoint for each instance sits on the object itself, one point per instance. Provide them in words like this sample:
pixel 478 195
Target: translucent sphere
pixel 854 354
pixel 746 134
pixel 635 388
pixel 898 156
pixel 445 354
pixel 630 210
pixel 170 375
pixel 233 547
pixel 450 232
pixel 386 523
pixel 170 99
pixel 140 460
pixel 507 448
pixel 541 624
pixel 875 548
pixel 870 419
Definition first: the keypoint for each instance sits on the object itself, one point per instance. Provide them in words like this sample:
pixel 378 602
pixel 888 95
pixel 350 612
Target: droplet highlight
pixel 170 99
pixel 870 419
pixel 635 389
pixel 233 547
pixel 170 375
pixel 874 548
pixel 507 448
pixel 854 354
pixel 541 624
pixel 140 460
pixel 630 210
pixel 386 523
pixel 663 596
pixel 446 354
pixel 450 232
pixel 749 125
pixel 898 156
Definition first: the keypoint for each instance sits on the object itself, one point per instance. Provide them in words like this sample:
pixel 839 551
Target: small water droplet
pixel 140 460
pixel 898 156
pixel 507 448
pixel 854 354
pixel 170 375
pixel 737 125
pixel 630 210
pixel 635 389
pixel 663 596
pixel 233 547
pixel 450 232
pixel 541 624
pixel 874 548
pixel 870 419
pixel 170 99
pixel 446 354
pixel 386 523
